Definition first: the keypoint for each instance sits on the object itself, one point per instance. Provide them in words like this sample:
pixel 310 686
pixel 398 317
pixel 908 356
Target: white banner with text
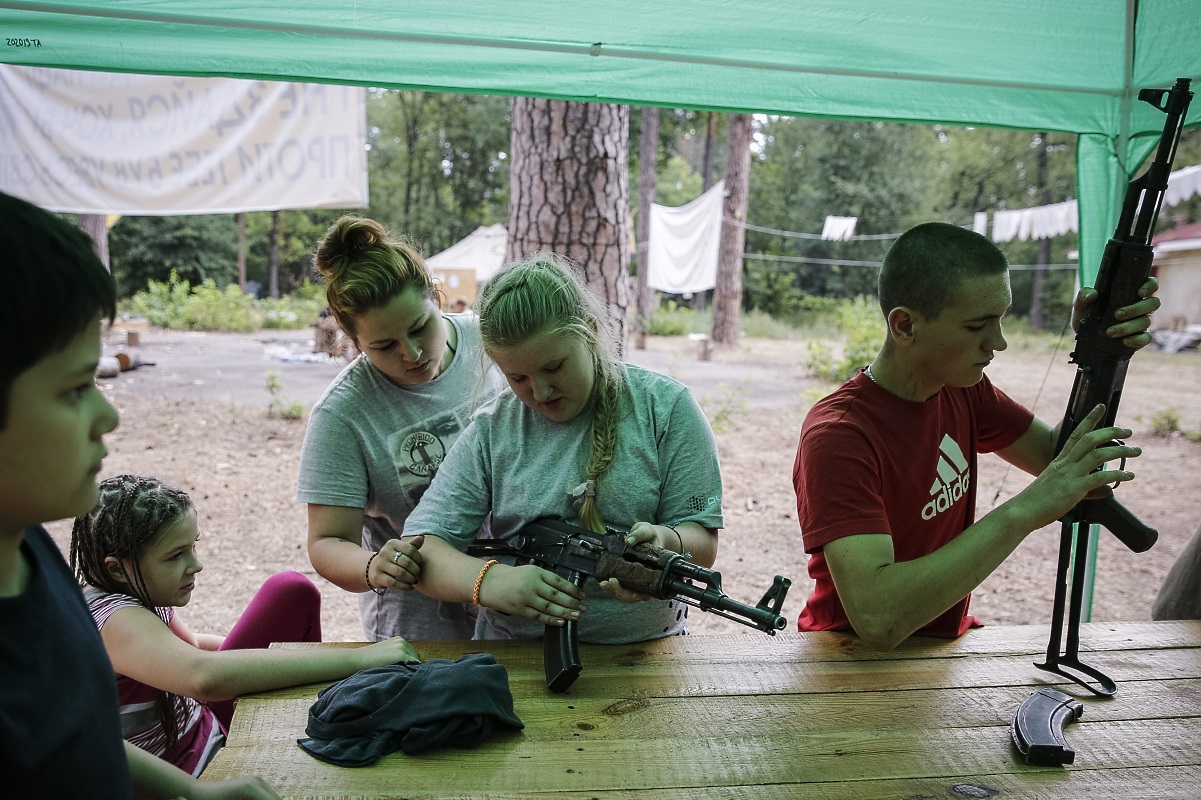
pixel 109 143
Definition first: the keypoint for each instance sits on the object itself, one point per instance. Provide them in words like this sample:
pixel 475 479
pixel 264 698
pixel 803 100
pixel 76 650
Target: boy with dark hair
pixel 59 729
pixel 885 472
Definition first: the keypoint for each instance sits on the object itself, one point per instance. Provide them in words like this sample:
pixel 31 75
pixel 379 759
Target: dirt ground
pixel 198 419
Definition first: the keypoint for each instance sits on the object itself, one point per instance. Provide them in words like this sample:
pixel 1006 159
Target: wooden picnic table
pixel 796 715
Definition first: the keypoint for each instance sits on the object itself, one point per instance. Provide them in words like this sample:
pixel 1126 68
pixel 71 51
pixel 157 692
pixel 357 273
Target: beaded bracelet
pixel 367 576
pixel 475 595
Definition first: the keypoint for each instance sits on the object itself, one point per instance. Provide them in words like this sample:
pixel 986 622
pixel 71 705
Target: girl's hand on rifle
pixel 1070 477
pixel 1134 330
pixel 658 535
pixel 531 591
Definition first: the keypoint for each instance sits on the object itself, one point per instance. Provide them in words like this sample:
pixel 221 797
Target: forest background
pixel 439 167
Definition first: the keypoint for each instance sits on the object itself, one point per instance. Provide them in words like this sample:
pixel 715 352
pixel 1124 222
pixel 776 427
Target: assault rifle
pixel 1101 370
pixel 576 554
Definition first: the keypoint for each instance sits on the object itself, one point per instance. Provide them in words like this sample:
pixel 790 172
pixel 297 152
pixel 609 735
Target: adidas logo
pixel 952 481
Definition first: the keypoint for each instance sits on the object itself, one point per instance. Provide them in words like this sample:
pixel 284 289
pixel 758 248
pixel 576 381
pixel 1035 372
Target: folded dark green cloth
pixel 412 707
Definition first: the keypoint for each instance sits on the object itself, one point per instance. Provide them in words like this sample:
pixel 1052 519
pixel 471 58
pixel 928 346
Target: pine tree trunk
pixel 1044 245
pixel 648 163
pixel 96 227
pixel 569 193
pixel 700 299
pixel 727 296
pixel 240 225
pixel 273 258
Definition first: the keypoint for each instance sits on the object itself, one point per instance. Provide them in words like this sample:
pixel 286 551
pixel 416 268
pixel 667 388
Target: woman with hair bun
pixel 378 434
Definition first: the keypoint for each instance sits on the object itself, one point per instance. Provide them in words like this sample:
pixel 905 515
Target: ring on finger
pixel 396 558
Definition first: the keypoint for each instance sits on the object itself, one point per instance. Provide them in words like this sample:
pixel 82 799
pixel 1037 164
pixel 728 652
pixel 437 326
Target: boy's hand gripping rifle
pixel 576 554
pixel 1101 370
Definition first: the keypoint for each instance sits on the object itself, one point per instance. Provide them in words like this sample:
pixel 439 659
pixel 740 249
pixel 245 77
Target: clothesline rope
pixel 1183 184
pixel 842 262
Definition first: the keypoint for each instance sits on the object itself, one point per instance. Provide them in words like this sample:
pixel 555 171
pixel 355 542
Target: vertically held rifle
pixel 1101 364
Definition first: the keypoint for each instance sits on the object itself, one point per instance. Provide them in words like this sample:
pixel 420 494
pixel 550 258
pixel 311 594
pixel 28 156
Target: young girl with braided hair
pixel 135 555
pixel 580 436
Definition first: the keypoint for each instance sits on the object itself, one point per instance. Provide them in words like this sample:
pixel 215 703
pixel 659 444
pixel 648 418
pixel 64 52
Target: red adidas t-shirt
pixel 872 462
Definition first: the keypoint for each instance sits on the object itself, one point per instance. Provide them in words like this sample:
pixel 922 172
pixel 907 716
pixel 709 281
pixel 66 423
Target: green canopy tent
pixel 1058 65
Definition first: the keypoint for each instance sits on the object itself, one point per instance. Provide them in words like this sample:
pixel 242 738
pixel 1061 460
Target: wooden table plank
pixel 1154 783
pixel 785 677
pixel 262 719
pixel 807 715
pixel 790 757
pixel 811 647
pixel 662 677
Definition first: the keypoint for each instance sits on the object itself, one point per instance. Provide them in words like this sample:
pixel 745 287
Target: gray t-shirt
pixel 519 465
pixel 374 445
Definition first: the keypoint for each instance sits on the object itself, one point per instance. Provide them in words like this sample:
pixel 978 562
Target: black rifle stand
pixel 1057 662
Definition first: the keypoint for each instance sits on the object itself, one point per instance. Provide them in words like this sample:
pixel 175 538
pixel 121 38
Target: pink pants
pixel 286 608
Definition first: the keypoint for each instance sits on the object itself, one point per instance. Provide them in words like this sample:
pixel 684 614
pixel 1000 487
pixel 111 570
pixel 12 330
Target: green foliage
pixel 678 183
pixel 861 333
pixel 298 234
pixel 297 310
pixel 770 290
pixel 761 325
pixel 671 319
pixel 177 304
pixel 278 407
pixel 439 163
pixel 197 248
pixel 439 167
pixel 213 309
pixel 310 292
pixel 807 169
pixel 987 168
pixel 1165 422
pixel 163 304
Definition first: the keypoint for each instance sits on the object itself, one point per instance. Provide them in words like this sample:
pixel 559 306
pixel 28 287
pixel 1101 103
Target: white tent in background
pixel 463 266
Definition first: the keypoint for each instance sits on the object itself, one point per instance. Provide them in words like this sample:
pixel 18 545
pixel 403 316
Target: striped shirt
pixel 199 735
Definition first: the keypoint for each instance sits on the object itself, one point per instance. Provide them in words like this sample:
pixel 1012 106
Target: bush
pixel 228 309
pixel 861 333
pixel 761 325
pixel 162 304
pixel 294 311
pixel 179 305
pixel 671 319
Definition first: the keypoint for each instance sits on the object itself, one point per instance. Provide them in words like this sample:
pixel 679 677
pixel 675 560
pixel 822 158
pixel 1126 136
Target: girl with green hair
pixel 580 436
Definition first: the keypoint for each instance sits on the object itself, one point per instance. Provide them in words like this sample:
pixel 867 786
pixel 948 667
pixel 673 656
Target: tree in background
pixel 644 295
pixel 96 227
pixel 727 295
pixel 438 164
pixel 989 169
pixel 296 233
pixel 196 247
pixel 569 192
pixel 807 169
